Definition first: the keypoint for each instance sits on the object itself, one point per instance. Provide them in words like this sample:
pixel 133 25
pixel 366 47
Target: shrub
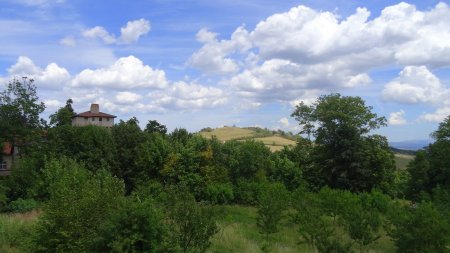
pixel 220 193
pixel 22 205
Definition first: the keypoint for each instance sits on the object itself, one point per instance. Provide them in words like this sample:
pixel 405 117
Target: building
pixel 93 117
pixel 8 153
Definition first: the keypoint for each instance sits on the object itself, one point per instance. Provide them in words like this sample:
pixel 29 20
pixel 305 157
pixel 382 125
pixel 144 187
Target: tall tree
pixel 19 112
pixel 64 115
pixel 340 126
pixel 154 126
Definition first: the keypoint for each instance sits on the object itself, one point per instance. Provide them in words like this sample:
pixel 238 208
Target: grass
pixel 402 160
pixel 239 233
pixel 229 133
pixel 274 142
pixel 16 231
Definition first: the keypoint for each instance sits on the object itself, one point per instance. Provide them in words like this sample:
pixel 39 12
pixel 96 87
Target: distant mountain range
pixel 410 145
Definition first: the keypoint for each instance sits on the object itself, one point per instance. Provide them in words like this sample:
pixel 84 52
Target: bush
pixel 220 193
pixel 246 192
pixel 135 226
pixel 79 202
pixel 22 205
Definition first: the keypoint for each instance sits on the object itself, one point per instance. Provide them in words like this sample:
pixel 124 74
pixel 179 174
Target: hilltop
pixel 275 140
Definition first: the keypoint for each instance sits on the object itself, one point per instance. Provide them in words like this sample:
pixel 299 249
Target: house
pixel 7 160
pixel 93 117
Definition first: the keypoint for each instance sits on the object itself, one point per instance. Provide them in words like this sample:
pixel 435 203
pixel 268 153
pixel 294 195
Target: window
pixel 107 119
pixel 3 166
pixel 100 119
pixel 93 118
pixel 85 118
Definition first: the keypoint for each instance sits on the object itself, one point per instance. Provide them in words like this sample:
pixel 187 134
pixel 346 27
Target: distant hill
pixel 275 140
pixel 410 145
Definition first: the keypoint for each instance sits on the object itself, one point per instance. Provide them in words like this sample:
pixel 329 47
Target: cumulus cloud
pixel 126 86
pixel 128 34
pixel 133 30
pixel 100 33
pixel 188 96
pixel 415 84
pixel 291 53
pixel 418 85
pixel 212 57
pixel 127 97
pixel 397 118
pixel 52 76
pixel 126 73
pixel 438 116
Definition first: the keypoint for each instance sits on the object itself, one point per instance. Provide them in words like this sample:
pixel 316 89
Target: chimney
pixel 95 108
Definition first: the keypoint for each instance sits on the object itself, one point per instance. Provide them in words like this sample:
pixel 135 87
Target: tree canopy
pixel 343 151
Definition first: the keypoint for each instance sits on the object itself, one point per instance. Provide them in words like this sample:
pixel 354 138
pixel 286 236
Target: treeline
pixel 126 189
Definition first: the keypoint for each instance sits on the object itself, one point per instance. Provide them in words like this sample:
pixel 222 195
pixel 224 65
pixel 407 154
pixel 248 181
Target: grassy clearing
pixel 16 231
pixel 229 133
pixel 402 160
pixel 239 234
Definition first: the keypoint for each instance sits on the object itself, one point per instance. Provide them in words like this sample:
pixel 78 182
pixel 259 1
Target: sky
pixel 196 64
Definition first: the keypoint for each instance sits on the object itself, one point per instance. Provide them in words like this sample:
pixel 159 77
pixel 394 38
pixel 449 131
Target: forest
pixel 127 189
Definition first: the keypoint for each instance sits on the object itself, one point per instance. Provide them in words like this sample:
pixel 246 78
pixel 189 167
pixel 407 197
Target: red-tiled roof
pixel 91 114
pixel 7 148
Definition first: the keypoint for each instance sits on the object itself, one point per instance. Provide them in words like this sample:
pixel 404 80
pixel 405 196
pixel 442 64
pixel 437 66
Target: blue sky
pixel 195 64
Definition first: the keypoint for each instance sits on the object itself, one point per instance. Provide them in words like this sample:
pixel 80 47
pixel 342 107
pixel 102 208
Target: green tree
pixel 20 108
pixel 154 126
pixel 63 116
pixel 273 200
pixel 191 223
pixel 340 126
pixel 431 166
pixel 134 226
pixel 79 202
pixel 127 137
pixel 421 228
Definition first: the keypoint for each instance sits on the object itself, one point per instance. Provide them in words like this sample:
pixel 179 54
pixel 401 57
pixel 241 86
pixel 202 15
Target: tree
pixel 128 137
pixel 79 202
pixel 191 223
pixel 431 166
pixel 63 116
pixel 154 126
pixel 419 229
pixel 19 112
pixel 340 126
pixel 273 200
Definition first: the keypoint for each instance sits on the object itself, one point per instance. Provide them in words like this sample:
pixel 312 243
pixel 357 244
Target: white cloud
pixel 438 116
pixel 188 96
pixel 52 104
pixel 133 30
pixel 289 54
pixel 415 84
pixel 127 97
pixel 397 118
pixel 128 34
pixel 126 73
pixel 52 76
pixel 212 57
pixel 101 33
pixel 284 122
pixel 39 2
pixel 68 41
